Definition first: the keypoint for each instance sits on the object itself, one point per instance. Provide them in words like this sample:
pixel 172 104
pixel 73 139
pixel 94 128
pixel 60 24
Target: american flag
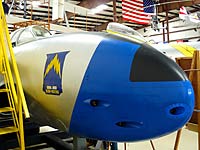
pixel 138 11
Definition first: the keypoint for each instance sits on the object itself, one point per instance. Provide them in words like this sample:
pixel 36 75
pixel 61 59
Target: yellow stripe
pixel 125 36
pixel 185 49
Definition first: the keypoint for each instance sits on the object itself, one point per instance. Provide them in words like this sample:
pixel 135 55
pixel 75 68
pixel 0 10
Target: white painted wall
pixel 57 9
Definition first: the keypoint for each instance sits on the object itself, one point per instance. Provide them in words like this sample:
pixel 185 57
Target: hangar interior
pixel 78 14
pixel 166 31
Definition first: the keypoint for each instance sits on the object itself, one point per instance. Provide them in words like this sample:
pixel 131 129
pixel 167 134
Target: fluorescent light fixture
pixel 98 9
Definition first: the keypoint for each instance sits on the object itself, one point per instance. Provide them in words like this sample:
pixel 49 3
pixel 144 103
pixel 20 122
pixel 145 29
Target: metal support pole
pixel 197 97
pixel 66 19
pixel 163 25
pixel 25 9
pixel 114 11
pixel 86 21
pixel 74 16
pixel 48 14
pixel 152 145
pixel 167 19
pixel 31 11
pixel 178 136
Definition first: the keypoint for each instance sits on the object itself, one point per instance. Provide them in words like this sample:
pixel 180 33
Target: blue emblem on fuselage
pixel 52 83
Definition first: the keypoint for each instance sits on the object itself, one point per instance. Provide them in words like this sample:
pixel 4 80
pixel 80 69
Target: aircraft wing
pixel 174 50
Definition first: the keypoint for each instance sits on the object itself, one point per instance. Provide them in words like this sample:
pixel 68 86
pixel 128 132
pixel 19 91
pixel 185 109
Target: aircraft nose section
pixel 163 87
pixel 131 92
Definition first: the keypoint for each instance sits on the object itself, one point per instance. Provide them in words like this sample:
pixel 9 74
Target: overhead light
pixel 98 9
pixel 35 3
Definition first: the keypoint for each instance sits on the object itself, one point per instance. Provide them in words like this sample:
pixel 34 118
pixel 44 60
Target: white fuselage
pixel 31 59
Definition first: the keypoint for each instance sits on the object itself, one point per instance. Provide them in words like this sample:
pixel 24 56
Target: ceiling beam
pixel 104 15
pixel 102 19
pixel 173 13
pixel 81 22
pixel 88 20
pixel 195 7
pixel 170 5
pixel 119 7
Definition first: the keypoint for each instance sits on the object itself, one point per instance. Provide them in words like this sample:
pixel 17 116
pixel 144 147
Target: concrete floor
pixel 188 141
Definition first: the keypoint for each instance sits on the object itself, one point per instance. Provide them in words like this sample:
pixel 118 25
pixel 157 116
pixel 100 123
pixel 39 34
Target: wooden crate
pixel 185 63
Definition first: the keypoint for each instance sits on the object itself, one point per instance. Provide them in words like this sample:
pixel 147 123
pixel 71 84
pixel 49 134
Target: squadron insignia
pixel 52 83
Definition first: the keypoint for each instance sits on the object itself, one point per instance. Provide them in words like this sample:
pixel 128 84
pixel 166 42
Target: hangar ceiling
pixel 97 21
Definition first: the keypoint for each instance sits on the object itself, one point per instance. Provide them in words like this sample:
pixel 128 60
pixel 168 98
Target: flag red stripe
pixel 136 21
pixel 135 17
pixel 124 6
pixel 133 1
pixel 127 11
pixel 138 16
pixel 136 4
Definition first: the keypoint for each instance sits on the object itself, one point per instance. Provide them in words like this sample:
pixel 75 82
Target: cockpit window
pixel 15 35
pixel 40 32
pixel 125 31
pixel 26 36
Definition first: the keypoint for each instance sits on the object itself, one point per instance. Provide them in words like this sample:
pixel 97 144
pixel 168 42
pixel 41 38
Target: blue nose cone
pixel 131 92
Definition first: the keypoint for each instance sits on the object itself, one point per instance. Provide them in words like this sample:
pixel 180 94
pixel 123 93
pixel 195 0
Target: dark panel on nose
pixel 149 65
